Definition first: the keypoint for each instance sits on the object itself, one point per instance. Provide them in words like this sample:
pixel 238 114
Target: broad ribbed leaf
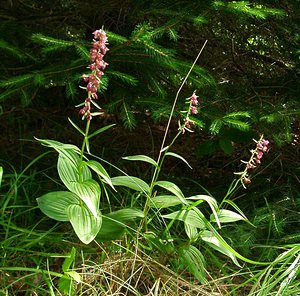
pixel 226 216
pixel 187 216
pixel 54 204
pixel 191 231
pixel 113 224
pixel 165 201
pixel 214 242
pixel 68 169
pixel 211 202
pixel 195 262
pixel 89 192
pixel 85 224
pixel 85 187
pixel 142 158
pixel 131 182
pixel 58 146
pixel 172 188
pixel 100 170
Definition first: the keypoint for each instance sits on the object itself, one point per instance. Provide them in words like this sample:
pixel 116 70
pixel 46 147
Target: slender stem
pixel 84 142
pixel 155 176
pixel 164 150
pixel 175 101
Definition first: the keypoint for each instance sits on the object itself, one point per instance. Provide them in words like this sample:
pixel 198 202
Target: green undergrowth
pixel 43 257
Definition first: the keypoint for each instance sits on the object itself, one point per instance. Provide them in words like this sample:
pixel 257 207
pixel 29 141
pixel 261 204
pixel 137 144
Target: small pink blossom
pixel 194 110
pixel 194 99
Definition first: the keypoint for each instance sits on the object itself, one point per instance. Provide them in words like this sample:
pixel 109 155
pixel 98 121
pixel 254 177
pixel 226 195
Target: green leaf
pixel 74 275
pixel 191 231
pixel 85 225
pixel 76 127
pixel 54 204
pixel 172 188
pixel 215 126
pixel 1 174
pixel 100 170
pixel 129 79
pixel 180 157
pixel 193 259
pixel 114 223
pixel 60 147
pixel 214 242
pixel 142 158
pixel 211 202
pixel 70 257
pixel 131 182
pixel 238 124
pixel 46 40
pixel 187 216
pixel 239 211
pixel 165 201
pixel 66 285
pixel 226 216
pixel 100 130
pixel 89 192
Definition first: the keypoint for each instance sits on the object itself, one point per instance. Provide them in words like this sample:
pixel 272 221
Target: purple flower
pixel 194 110
pixel 97 65
pixel 194 99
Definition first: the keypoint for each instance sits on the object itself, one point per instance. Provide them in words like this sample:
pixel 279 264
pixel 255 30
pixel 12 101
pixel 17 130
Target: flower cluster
pixel 254 161
pixel 188 123
pixel 93 79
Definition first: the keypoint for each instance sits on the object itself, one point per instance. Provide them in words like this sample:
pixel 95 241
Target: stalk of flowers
pixel 193 109
pixel 254 161
pixel 97 66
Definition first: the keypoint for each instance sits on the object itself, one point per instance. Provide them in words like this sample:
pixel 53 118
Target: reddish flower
pixel 97 64
pixel 194 110
pixel 194 99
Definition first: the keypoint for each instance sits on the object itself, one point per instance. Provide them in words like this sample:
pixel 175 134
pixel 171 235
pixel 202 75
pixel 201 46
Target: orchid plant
pixel 163 200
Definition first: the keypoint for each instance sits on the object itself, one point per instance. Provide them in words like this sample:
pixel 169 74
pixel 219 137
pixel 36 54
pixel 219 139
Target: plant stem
pixel 163 149
pixel 84 143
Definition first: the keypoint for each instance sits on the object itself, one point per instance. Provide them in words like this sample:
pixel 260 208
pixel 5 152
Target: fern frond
pixel 127 117
pixel 157 87
pixel 83 52
pixel 199 20
pixel 53 49
pixel 199 76
pixel 17 81
pixel 246 9
pixel 238 124
pixel 115 38
pixel 50 41
pixel 128 79
pixel 71 89
pixel 197 121
pixel 237 114
pixel 162 113
pixel 173 34
pixel 157 51
pixel 270 118
pixel 215 126
pixel 12 50
pixel 39 79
